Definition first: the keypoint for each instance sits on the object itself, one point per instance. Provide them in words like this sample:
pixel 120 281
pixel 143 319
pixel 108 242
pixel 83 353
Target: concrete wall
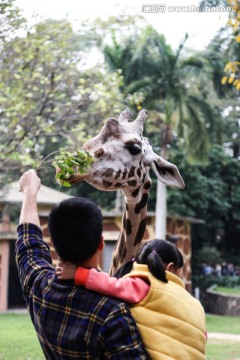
pixel 222 304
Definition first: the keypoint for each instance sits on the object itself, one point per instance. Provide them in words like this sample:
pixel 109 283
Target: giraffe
pixel 123 158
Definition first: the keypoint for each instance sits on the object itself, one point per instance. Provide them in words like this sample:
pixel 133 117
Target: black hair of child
pixel 156 254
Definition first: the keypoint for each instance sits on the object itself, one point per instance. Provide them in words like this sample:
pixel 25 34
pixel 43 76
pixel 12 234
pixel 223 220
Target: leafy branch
pixel 66 164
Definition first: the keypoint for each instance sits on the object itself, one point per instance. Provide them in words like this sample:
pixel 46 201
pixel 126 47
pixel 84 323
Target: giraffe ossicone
pixel 123 158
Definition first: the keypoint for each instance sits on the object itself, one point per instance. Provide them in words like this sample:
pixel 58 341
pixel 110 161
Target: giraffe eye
pixel 134 149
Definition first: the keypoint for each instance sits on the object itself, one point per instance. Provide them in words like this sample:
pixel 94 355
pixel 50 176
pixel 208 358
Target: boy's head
pixel 75 227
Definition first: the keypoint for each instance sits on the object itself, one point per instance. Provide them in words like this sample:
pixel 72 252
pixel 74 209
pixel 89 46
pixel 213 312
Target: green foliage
pixel 47 99
pixel 68 164
pixel 209 255
pixel 38 81
pixel 229 39
pixel 10 20
pixel 211 194
pixel 169 83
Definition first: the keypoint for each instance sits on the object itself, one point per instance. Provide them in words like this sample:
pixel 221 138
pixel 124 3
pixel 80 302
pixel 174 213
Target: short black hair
pixel 75 228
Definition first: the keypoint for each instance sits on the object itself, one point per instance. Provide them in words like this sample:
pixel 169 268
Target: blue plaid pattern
pixel 71 322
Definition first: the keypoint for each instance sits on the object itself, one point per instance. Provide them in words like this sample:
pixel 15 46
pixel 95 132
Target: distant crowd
pixel 223 269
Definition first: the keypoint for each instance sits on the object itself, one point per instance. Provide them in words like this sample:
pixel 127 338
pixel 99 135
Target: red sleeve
pixel 129 289
pixel 81 276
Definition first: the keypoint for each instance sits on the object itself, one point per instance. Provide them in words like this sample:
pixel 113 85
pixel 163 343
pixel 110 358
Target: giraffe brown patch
pixel 124 173
pixel 106 183
pixel 138 172
pixel 142 203
pixel 111 129
pixel 98 153
pixel 135 192
pixel 132 183
pixel 140 232
pixel 107 172
pixel 118 174
pixel 122 250
pixel 118 184
pixel 114 262
pixel 147 185
pixel 127 225
pixel 143 178
pixel 131 171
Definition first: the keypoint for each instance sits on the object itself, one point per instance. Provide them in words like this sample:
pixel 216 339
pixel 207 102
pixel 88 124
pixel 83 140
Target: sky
pixel 173 18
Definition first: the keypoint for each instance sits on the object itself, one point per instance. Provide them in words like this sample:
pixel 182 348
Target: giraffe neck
pixel 133 226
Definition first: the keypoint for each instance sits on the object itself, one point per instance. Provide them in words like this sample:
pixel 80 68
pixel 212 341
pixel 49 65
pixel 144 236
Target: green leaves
pixel 68 164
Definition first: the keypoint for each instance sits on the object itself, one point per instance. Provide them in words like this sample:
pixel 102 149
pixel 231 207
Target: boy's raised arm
pixel 29 185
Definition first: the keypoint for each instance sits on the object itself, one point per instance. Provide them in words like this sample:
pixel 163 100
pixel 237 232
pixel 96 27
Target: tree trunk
pixel 161 211
pixel 161 198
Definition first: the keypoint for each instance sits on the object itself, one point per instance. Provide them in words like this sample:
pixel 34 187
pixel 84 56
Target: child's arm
pixel 129 289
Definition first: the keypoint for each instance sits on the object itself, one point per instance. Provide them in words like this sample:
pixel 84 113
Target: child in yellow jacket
pixel 171 321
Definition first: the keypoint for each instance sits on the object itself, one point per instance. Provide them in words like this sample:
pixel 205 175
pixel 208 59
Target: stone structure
pixel 220 303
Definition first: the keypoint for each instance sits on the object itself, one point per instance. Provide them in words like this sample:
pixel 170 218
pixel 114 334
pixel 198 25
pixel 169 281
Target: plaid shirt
pixel 71 322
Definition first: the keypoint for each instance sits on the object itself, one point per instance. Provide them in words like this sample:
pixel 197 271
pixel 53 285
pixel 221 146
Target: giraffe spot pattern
pixel 142 203
pixel 135 192
pixel 114 262
pixel 98 153
pixel 122 250
pixel 124 173
pixel 131 172
pixel 107 172
pixel 139 172
pixel 118 174
pixel 132 182
pixel 140 232
pixel 127 225
pixel 106 183
pixel 147 185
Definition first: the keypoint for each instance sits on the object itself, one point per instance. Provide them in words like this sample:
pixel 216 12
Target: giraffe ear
pixel 167 173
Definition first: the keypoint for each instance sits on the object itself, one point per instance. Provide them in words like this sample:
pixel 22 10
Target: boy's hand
pixel 66 270
pixel 29 183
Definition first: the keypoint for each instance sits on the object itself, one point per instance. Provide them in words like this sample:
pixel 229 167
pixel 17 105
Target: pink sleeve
pixel 129 289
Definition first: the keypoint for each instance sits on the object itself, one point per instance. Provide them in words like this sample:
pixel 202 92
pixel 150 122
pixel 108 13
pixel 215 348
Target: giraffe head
pixel 123 157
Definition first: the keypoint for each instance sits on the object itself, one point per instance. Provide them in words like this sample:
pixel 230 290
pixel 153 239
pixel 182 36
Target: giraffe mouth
pixel 76 178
